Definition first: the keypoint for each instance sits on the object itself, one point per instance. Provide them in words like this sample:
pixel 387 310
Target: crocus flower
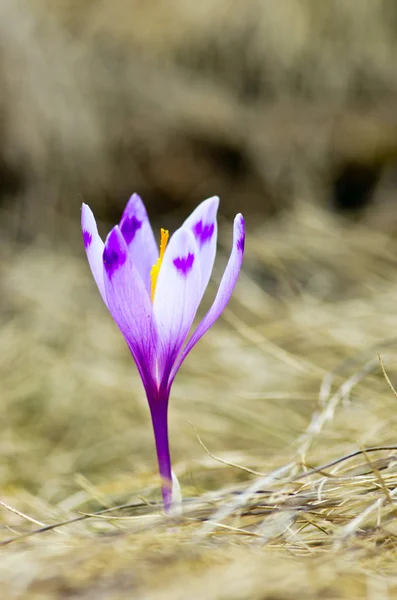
pixel 153 297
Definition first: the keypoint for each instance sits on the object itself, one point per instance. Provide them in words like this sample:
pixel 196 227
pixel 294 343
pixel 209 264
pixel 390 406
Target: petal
pixel 93 246
pixel 202 223
pixel 177 296
pixel 138 234
pixel 129 303
pixel 225 290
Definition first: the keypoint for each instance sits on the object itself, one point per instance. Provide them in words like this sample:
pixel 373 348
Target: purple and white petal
pixel 225 290
pixel 93 245
pixel 129 303
pixel 202 223
pixel 138 234
pixel 177 296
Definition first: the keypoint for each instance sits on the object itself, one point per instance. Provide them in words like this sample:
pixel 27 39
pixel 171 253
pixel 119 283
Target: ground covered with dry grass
pixel 282 430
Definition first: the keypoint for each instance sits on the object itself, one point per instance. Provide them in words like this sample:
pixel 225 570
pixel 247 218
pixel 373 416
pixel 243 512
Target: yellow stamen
pixel 155 270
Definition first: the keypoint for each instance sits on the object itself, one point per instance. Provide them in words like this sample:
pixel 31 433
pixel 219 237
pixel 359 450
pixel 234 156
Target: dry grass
pixel 287 381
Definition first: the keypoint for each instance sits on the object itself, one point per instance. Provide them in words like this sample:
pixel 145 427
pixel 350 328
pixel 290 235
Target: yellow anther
pixel 155 270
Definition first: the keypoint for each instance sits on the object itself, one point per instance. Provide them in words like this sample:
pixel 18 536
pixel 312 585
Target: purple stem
pixel 159 412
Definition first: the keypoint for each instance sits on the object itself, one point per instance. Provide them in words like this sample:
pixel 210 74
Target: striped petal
pixel 176 298
pixel 138 234
pixel 129 303
pixel 225 290
pixel 202 222
pixel 93 245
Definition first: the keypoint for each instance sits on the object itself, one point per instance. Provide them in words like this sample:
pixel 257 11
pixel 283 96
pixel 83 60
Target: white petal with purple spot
pixel 93 245
pixel 202 223
pixel 225 290
pixel 138 234
pixel 177 296
pixel 129 303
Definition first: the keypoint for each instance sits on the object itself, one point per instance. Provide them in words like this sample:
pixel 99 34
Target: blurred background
pixel 287 111
pixel 264 103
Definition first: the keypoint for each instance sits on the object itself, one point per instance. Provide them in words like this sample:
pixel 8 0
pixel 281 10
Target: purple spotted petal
pixel 177 297
pixel 225 290
pixel 129 304
pixel 93 245
pixel 138 234
pixel 202 223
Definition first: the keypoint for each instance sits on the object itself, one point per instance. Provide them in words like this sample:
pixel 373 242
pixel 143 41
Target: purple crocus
pixel 153 296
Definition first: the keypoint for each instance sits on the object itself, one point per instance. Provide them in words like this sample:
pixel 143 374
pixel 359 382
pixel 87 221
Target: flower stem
pixel 159 413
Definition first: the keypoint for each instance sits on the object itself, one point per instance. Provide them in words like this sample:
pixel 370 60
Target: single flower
pixel 153 297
